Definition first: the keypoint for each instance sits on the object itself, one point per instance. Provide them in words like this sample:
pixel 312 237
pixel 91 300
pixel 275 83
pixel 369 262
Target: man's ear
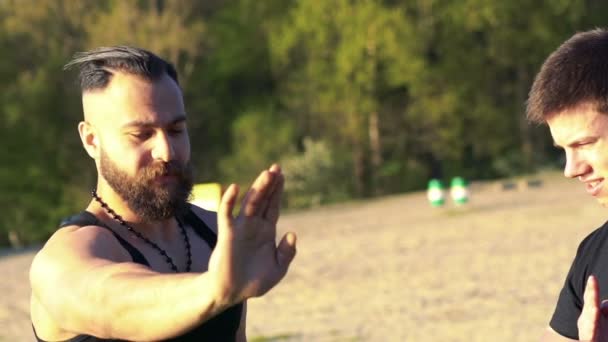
pixel 89 138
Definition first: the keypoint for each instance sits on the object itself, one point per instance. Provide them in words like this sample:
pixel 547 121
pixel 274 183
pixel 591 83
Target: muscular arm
pixel 87 284
pixel 210 219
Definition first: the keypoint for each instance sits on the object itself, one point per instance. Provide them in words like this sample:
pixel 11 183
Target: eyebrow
pixel 576 141
pixel 141 124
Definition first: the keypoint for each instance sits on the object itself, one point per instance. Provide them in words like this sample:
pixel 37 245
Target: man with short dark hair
pixel 141 263
pixel 570 95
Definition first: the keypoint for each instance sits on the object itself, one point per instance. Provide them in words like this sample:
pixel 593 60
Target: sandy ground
pixel 395 269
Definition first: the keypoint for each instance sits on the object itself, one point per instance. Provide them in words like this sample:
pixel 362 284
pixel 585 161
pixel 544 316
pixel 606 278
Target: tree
pixel 37 37
pixel 334 61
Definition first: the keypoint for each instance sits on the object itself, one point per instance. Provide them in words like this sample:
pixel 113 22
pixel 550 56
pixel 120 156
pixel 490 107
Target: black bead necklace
pixel 162 252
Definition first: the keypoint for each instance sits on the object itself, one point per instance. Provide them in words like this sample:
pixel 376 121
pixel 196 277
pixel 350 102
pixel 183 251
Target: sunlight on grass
pixel 294 337
pixel 275 338
pixel 459 211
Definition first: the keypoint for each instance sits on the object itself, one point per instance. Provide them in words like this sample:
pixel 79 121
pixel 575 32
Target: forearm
pixel 142 305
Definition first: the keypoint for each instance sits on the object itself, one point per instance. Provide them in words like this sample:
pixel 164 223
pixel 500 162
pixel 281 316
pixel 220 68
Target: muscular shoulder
pixel 86 241
pixel 209 217
pixel 76 248
pixel 72 264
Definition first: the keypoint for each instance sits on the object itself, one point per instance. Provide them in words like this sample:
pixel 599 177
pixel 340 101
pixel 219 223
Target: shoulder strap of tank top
pixel 86 218
pixel 201 228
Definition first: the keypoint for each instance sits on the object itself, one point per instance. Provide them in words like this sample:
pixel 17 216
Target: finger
pixel 265 204
pixel 256 200
pixel 588 320
pixel 275 168
pixel 602 321
pixel 604 308
pixel 286 251
pixel 274 204
pixel 278 182
pixel 224 212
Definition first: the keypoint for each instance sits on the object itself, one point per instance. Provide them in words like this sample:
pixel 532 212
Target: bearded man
pixel 141 263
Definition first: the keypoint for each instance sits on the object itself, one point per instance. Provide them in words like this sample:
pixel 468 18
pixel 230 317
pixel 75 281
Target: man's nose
pixel 163 148
pixel 575 165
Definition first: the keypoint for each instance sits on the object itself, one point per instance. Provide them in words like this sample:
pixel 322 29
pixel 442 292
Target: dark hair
pixel 575 74
pixel 97 66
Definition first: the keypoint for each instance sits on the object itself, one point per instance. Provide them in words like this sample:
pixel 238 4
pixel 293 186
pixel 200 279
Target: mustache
pixel 170 168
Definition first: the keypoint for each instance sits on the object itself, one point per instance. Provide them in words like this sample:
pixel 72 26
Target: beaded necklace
pixel 162 252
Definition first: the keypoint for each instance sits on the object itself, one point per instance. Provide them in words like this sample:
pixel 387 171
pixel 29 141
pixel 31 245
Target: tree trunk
pixel 433 164
pixel 527 143
pixel 359 169
pixel 376 151
pixel 14 240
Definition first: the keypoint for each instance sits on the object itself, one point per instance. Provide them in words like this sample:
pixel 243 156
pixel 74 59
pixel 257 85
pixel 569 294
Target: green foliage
pixel 36 186
pixel 259 138
pixel 509 164
pixel 388 92
pixel 230 80
pixel 315 176
pixel 403 174
pixel 335 60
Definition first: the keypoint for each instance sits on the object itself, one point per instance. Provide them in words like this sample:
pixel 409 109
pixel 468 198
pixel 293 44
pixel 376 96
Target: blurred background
pixel 355 98
pixel 360 101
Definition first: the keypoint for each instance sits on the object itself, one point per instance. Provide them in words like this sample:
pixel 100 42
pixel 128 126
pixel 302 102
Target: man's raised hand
pixel 246 260
pixel 592 323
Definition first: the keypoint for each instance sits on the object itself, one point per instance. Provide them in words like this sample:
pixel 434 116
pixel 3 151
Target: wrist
pixel 222 292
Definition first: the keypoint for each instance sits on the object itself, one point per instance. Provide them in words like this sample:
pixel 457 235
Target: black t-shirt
pixel 591 259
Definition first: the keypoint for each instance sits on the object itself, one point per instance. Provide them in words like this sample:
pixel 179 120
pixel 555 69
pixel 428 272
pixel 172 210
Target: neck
pixel 152 229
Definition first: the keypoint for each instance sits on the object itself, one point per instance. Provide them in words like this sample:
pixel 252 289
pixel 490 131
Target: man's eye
pixel 584 143
pixel 176 130
pixel 141 135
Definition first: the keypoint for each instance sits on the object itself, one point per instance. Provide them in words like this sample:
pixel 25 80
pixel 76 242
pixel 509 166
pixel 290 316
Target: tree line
pixel 355 98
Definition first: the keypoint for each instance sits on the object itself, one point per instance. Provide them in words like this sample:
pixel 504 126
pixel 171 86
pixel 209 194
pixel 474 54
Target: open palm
pixel 246 259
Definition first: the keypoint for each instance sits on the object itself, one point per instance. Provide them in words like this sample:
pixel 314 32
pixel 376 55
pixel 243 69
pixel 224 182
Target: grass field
pixel 394 269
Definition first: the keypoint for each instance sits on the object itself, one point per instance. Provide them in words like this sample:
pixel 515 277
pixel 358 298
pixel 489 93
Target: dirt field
pixel 394 269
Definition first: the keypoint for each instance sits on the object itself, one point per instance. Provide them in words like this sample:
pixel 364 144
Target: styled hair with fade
pixel 96 67
pixel 575 74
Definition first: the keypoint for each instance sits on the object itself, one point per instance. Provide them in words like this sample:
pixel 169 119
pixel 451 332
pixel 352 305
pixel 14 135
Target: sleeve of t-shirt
pixel 570 302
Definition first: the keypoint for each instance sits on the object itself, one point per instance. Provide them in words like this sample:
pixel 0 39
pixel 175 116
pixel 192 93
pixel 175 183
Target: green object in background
pixel 459 191
pixel 435 193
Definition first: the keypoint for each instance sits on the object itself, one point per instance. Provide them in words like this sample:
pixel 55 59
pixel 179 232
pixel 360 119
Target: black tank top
pixel 222 327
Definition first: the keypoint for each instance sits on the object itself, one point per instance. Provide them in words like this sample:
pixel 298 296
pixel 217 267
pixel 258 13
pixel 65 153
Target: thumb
pixel 286 251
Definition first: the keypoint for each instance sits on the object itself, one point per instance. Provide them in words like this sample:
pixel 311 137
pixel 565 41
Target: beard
pixel 146 198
